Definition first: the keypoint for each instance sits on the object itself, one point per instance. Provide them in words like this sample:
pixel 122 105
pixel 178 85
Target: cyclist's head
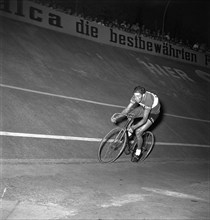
pixel 139 89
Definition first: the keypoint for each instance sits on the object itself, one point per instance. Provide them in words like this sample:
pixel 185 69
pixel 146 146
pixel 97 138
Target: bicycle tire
pixel 108 144
pixel 148 144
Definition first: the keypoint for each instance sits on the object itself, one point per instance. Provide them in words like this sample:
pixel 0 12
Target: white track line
pixel 182 144
pixel 58 137
pixel 92 102
pixel 173 194
pixel 60 96
pixel 188 118
pixel 46 136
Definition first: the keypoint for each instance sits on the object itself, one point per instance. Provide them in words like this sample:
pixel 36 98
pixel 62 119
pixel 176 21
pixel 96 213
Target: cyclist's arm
pixel 122 115
pixel 128 108
pixel 144 119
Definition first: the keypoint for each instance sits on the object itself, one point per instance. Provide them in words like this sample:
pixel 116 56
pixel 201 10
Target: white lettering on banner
pixel 165 71
pixel 36 14
pixel 203 75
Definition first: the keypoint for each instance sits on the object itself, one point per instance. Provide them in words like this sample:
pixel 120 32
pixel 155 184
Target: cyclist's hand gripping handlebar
pixel 116 116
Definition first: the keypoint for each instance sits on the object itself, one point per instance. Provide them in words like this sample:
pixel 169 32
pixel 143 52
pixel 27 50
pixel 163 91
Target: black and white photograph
pixel 104 109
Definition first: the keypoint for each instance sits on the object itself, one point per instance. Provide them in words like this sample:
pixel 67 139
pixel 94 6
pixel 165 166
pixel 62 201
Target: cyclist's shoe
pixel 135 158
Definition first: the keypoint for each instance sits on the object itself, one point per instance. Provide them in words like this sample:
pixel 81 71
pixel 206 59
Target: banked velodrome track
pixel 58 93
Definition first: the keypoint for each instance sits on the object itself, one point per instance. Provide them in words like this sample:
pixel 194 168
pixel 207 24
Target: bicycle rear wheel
pixel 112 145
pixel 147 145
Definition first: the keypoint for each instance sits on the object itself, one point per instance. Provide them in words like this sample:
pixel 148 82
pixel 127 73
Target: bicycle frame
pixel 129 122
pixel 130 119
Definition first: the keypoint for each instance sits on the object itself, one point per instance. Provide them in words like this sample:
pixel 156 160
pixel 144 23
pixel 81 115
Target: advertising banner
pixel 33 13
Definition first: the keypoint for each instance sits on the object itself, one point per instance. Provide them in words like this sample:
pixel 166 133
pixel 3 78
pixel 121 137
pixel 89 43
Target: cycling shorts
pixel 152 117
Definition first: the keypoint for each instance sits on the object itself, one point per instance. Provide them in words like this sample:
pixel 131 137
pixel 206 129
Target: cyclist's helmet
pixel 139 89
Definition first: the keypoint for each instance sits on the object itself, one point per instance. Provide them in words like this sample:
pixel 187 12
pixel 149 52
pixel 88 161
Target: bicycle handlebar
pixel 128 115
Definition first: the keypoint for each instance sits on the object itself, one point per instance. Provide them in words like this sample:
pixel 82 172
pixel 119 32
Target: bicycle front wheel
pixel 112 145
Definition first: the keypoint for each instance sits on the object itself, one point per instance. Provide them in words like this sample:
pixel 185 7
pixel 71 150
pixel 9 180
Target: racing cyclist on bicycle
pixel 145 106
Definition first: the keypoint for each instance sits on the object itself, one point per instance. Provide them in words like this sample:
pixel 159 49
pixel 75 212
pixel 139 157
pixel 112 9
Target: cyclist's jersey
pixel 149 101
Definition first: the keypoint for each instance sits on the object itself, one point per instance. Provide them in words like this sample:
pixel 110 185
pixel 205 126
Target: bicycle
pixel 115 142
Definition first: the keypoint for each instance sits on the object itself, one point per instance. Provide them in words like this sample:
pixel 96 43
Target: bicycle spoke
pixel 148 141
pixel 112 145
pixel 108 152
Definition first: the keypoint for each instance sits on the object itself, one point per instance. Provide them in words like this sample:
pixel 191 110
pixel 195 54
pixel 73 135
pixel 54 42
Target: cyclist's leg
pixel 151 119
pixel 140 131
pixel 137 154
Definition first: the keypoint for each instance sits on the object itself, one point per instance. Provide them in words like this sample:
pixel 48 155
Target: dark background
pixel 187 19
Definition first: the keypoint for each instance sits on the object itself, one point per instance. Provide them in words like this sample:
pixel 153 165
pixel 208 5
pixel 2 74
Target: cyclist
pixel 145 106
